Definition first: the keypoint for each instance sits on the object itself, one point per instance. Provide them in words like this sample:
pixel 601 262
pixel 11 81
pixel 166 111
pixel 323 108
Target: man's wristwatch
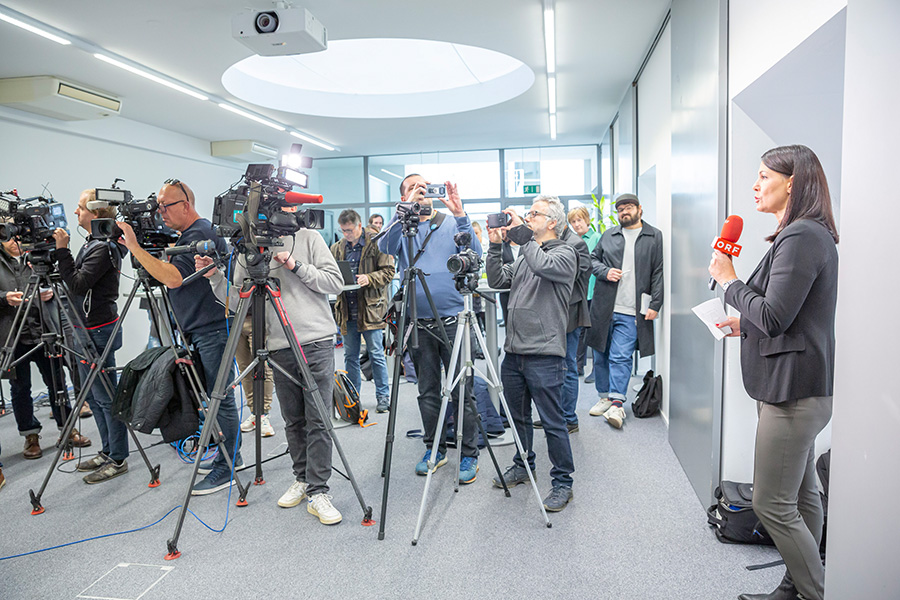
pixel 296 266
pixel 728 283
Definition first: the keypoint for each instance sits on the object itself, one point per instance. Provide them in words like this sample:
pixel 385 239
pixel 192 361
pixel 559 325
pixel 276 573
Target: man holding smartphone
pixel 434 244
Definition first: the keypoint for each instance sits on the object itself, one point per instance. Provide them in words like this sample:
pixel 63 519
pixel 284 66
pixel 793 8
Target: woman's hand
pixel 721 267
pixel 734 323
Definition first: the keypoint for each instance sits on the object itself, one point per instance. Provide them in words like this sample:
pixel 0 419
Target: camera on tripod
pixel 264 205
pixel 31 221
pixel 467 261
pixel 141 215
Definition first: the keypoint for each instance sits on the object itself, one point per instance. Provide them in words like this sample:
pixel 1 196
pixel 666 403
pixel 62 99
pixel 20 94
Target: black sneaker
pixel 557 499
pixel 107 472
pixel 92 464
pixel 513 477
pixel 572 427
pixel 538 425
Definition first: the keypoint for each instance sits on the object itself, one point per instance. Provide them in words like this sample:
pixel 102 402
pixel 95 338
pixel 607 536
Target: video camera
pixel 141 215
pixel 263 205
pixel 31 221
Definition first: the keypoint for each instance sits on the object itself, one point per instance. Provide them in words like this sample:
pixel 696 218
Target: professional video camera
pixel 141 215
pixel 262 205
pixel 31 221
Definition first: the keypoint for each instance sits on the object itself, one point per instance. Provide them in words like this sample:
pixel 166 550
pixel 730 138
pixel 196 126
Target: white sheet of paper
pixel 645 303
pixel 711 312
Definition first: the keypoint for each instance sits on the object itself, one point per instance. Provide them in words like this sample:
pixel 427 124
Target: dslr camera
pixel 141 215
pixel 465 262
pixel 31 221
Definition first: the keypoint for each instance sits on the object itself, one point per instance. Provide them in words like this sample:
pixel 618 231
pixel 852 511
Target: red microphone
pixel 300 198
pixel 727 240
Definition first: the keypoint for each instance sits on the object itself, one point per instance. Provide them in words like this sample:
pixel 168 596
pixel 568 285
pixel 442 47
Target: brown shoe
pixel 2 479
pixel 85 411
pixel 78 440
pixel 32 446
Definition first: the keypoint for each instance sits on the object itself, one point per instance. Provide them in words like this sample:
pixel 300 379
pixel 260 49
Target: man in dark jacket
pixel 93 280
pixel 14 275
pixel 579 318
pixel 361 312
pixel 534 367
pixel 628 296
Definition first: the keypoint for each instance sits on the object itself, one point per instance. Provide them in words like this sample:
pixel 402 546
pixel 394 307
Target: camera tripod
pixel 44 275
pixel 257 288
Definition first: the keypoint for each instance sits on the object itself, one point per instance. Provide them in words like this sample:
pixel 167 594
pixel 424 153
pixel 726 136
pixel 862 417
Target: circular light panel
pixel 380 78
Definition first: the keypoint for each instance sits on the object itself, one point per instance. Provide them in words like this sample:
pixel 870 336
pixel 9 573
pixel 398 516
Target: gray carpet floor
pixel 635 529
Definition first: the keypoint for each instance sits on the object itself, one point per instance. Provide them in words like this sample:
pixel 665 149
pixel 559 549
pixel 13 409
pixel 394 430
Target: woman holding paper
pixel 786 327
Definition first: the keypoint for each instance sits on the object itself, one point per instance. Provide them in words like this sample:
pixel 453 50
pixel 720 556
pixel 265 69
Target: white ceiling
pixel 600 45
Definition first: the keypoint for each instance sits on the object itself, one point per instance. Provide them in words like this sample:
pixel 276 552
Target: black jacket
pixel 578 305
pixel 787 316
pixel 648 275
pixel 14 276
pixel 93 279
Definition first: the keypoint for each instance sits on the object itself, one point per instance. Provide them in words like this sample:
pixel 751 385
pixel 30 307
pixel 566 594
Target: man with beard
pixel 628 264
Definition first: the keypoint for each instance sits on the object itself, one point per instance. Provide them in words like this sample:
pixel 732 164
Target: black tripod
pixel 258 287
pixel 56 345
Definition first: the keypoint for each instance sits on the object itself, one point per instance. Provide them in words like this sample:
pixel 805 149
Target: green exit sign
pixel 532 189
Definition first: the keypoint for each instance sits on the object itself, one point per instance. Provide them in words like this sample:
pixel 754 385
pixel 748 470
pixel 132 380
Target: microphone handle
pixel 712 283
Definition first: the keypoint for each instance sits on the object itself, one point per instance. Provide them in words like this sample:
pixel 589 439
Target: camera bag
pixel 732 516
pixel 649 397
pixel 346 401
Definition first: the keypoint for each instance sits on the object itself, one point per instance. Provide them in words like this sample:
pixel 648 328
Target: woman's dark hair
pixel 809 197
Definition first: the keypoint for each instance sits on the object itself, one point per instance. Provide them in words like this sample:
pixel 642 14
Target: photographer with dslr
pixel 201 314
pixel 14 275
pixel 93 280
pixel 534 368
pixel 434 243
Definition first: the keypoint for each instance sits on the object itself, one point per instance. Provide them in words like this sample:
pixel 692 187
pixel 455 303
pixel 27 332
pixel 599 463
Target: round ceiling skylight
pixel 380 78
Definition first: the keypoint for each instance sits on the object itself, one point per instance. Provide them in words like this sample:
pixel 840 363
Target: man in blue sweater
pixel 436 235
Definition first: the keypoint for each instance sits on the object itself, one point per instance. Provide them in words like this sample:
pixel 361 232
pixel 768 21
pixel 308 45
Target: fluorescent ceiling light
pixel 551 93
pixel 392 174
pixel 553 127
pixel 33 29
pixel 150 76
pixel 311 140
pixel 550 36
pixel 250 116
pixel 379 180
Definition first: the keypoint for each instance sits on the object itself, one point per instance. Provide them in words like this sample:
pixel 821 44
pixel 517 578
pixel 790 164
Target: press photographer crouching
pixel 434 243
pixel 534 368
pixel 14 275
pixel 93 280
pixel 201 315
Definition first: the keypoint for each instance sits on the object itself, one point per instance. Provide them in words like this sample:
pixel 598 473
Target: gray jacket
pixel 540 283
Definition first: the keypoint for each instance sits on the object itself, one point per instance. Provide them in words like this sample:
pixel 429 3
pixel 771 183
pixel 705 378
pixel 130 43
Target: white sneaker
pixel 295 494
pixel 249 423
pixel 615 416
pixel 601 407
pixel 320 506
pixel 266 427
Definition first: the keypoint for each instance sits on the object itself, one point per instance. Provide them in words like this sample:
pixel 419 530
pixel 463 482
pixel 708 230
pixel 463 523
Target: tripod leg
pixel 154 471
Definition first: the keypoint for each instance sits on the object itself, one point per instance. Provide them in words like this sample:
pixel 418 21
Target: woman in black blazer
pixel 787 357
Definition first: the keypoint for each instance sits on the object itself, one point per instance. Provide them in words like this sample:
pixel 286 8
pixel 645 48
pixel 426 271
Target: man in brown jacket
pixel 360 312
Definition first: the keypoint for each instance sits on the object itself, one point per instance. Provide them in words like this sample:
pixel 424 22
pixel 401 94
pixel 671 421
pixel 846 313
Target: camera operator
pixel 14 275
pixel 360 313
pixel 201 315
pixel 435 244
pixel 534 368
pixel 93 280
pixel 307 274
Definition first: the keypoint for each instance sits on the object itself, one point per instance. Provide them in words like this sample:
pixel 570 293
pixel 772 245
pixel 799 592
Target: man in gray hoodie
pixel 307 273
pixel 534 368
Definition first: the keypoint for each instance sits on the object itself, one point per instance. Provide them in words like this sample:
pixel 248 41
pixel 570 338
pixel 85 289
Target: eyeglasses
pixel 180 186
pixel 625 207
pixel 165 207
pixel 533 213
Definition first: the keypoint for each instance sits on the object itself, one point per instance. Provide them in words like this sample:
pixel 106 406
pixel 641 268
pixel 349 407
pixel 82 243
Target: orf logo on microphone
pixel 723 245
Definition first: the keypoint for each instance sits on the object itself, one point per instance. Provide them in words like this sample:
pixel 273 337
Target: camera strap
pixel 436 221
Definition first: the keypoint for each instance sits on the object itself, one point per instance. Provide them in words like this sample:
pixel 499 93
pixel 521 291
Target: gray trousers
pixel 785 495
pixel 304 426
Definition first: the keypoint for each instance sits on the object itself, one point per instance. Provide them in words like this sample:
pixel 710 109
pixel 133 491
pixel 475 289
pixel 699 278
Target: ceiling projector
pixel 280 32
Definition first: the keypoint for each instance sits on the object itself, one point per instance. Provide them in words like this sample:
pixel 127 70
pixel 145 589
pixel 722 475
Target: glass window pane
pixel 476 174
pixel 339 180
pixel 558 171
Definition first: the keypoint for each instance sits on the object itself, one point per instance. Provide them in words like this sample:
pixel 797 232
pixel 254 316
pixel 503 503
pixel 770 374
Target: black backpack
pixel 649 398
pixel 346 401
pixel 732 516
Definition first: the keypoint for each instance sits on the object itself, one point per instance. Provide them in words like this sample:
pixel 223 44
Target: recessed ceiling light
pixel 380 78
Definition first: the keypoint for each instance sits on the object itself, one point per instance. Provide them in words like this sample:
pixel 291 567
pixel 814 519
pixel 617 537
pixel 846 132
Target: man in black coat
pixel 628 295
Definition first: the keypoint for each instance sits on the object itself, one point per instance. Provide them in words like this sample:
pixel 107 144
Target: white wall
pixel 655 181
pixel 70 157
pixel 863 544
pixel 624 142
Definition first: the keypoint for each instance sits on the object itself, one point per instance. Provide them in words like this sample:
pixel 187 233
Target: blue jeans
pixel 570 387
pixel 211 347
pixel 113 432
pixel 20 388
pixel 375 346
pixel 612 368
pixel 539 378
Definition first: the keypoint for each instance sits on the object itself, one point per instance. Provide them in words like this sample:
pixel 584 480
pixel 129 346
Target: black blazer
pixel 787 316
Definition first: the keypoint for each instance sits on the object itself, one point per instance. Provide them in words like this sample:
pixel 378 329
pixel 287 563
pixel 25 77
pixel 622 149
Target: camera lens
pixel 266 22
pixel 457 264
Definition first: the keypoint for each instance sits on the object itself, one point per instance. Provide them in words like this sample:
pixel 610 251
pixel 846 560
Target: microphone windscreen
pixel 732 228
pixel 300 198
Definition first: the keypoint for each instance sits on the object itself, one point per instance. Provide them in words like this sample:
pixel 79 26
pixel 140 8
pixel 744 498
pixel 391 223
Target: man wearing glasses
pixel 201 315
pixel 628 295
pixel 534 368
pixel 360 313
